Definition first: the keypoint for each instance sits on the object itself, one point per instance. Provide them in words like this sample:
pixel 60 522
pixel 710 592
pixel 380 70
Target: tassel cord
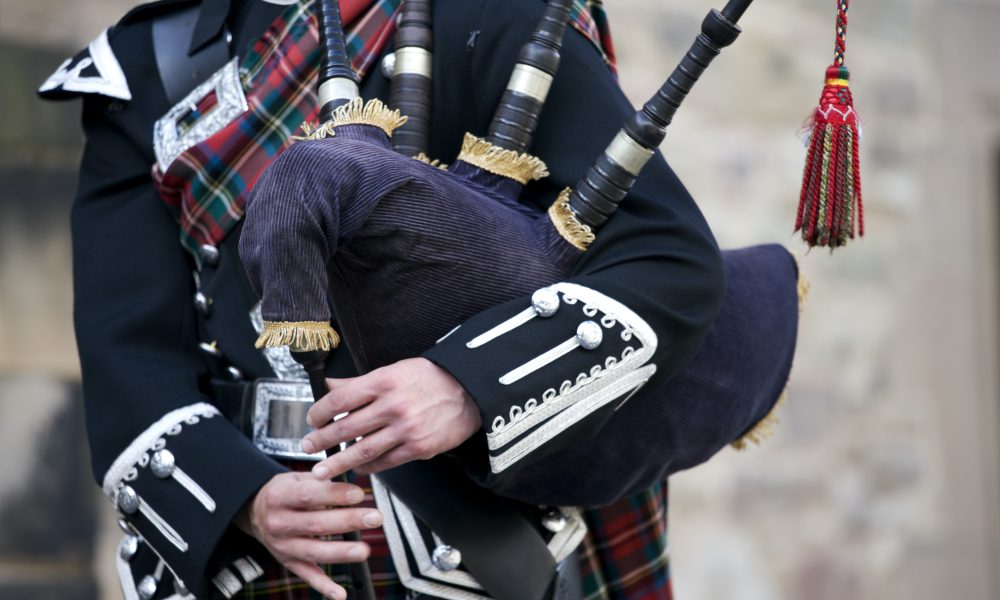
pixel 857 183
pixel 840 48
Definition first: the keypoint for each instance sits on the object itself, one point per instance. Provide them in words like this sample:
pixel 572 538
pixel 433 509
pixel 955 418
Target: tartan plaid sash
pixel 206 187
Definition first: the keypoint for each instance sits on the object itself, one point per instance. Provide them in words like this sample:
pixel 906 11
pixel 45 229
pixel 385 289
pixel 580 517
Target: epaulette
pixel 96 69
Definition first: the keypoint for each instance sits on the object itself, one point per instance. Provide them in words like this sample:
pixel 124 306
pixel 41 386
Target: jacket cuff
pixel 181 505
pixel 547 371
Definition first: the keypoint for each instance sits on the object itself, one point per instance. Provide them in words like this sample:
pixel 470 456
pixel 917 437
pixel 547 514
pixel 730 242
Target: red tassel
pixel 830 206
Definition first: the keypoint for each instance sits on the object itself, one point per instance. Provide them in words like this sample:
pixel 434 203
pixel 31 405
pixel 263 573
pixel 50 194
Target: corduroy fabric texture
pixel 393 237
pixel 303 205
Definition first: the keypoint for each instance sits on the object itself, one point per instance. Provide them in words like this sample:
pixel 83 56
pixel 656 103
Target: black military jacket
pixel 154 331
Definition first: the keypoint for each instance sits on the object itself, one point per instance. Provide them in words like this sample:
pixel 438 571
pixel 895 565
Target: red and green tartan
pixel 625 554
pixel 624 557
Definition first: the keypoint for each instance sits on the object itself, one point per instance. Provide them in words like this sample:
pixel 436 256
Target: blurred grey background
pixel 881 481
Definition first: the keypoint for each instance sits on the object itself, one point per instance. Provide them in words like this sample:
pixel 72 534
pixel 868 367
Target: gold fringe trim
pixel 427 161
pixel 764 428
pixel 566 223
pixel 803 285
pixel 519 166
pixel 373 112
pixel 356 112
pixel 315 132
pixel 302 336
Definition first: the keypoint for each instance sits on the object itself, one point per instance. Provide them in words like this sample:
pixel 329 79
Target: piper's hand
pixel 409 410
pixel 291 509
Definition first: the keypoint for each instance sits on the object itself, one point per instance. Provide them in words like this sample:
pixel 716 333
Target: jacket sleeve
pixel 647 288
pixel 174 467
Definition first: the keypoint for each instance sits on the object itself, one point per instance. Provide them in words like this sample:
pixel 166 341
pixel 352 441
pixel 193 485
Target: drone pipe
pixel 606 183
pixel 410 88
pixel 516 117
pixel 338 83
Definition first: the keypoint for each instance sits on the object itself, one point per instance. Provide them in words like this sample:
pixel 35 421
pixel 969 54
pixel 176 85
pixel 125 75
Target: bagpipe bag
pixel 408 252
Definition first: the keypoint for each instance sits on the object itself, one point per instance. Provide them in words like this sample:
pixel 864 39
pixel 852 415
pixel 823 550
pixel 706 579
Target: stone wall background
pixel 882 480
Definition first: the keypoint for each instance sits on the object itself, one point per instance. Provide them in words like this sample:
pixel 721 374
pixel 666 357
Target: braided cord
pixel 841 46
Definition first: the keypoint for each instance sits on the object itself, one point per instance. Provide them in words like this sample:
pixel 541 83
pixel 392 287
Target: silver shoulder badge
pixel 182 127
pixel 95 70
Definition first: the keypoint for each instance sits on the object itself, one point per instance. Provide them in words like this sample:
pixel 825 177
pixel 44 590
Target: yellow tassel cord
pixel 566 223
pixel 302 336
pixel 764 428
pixel 356 112
pixel 519 166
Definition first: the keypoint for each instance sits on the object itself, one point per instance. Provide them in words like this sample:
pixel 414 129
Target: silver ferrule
pixel 338 88
pixel 530 81
pixel 412 61
pixel 628 153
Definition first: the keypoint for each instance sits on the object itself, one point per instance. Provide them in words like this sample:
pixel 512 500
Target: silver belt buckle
pixel 170 141
pixel 279 418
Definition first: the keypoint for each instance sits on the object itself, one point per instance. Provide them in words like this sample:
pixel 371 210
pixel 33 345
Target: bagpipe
pixel 356 209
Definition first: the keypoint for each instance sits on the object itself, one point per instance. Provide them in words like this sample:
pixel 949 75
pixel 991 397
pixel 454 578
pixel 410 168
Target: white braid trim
pixel 169 424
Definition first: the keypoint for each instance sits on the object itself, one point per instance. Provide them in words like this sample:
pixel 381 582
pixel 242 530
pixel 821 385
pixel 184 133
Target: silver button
pixel 545 302
pixel 589 334
pixel 234 373
pixel 147 587
pixel 446 558
pixel 126 527
pixel 389 64
pixel 554 520
pixel 210 349
pixel 130 545
pixel 128 500
pixel 163 463
pixel 209 254
pixel 203 304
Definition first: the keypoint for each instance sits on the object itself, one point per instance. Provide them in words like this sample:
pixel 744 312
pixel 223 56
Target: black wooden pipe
pixel 410 88
pixel 606 183
pixel 516 117
pixel 335 69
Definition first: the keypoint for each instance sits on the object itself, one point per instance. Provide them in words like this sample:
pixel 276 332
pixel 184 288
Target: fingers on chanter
pixel 368 449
